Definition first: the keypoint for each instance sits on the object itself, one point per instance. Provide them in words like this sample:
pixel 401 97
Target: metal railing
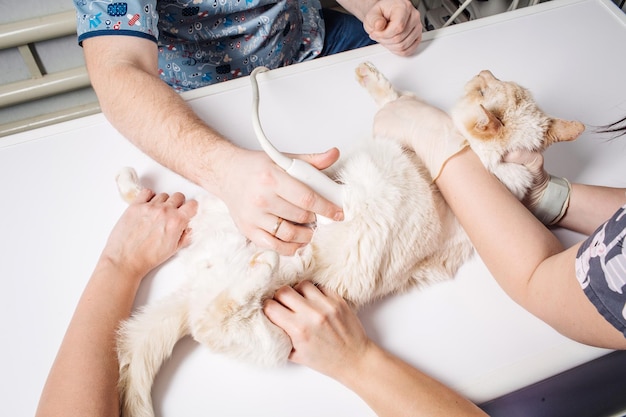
pixel 23 35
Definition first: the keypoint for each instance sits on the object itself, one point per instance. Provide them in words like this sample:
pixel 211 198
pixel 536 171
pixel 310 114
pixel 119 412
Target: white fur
pixel 397 233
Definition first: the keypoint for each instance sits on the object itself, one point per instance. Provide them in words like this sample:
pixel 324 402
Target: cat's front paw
pixel 375 83
pixel 128 184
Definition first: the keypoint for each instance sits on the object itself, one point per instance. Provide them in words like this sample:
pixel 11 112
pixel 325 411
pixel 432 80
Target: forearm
pixel 83 378
pixel 327 336
pixel 590 206
pixel 151 114
pixel 524 257
pixel 510 241
pixel 393 388
pixel 358 8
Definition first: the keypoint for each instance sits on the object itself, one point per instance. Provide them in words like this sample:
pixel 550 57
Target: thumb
pixel 531 160
pixel 321 160
pixel 374 21
pixel 189 208
pixel 185 239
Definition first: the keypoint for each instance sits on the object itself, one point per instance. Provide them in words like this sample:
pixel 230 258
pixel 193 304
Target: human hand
pixel 426 129
pixel 395 24
pixel 325 333
pixel 270 207
pixel 533 161
pixel 548 196
pixel 150 231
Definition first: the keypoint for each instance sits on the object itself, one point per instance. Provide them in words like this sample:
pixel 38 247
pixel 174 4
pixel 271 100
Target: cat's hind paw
pixel 376 84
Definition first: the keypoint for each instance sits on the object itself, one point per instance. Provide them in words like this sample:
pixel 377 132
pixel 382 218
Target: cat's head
pixel 497 117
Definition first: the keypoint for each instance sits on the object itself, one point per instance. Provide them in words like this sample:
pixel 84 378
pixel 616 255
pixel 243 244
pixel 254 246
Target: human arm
pixel 395 24
pixel 83 379
pixel 523 256
pixel 328 337
pixel 124 73
pixel 589 205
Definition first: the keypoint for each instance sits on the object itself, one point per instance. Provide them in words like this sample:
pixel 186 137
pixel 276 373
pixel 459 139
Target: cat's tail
pixel 128 184
pixel 144 342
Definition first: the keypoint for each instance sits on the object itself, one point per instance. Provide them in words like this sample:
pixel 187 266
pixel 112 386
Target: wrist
pixel 554 201
pixel 217 168
pixel 357 367
pixel 118 272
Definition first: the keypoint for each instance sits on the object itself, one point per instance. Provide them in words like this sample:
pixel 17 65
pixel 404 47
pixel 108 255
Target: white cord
pixel 457 13
pixel 513 5
pixel 297 168
pixel 278 158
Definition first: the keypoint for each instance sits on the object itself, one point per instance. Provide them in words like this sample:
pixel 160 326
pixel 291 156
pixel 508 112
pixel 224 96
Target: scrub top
pixel 201 42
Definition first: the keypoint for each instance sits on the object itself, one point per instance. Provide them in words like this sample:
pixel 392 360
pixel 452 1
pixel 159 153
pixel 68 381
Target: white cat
pixel 397 233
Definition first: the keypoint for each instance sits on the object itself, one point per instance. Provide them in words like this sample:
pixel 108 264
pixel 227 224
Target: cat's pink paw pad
pixel 375 83
pixel 366 72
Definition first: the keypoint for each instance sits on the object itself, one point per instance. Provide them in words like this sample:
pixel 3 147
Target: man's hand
pixel 271 208
pixel 394 24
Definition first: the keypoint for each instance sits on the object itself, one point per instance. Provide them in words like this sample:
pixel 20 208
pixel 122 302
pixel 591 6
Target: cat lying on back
pixel 398 233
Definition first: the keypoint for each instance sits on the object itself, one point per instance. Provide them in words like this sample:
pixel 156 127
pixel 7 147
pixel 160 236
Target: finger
pixel 176 199
pixel 288 203
pixel 307 289
pixel 144 196
pixel 329 293
pixel 532 160
pixel 319 299
pixel 396 20
pixel 280 198
pixel 314 296
pixel 304 202
pixel 400 42
pixel 521 156
pixel 306 300
pixel 374 20
pixel 185 238
pixel 263 239
pixel 398 23
pixel 189 208
pixel 320 160
pixel 293 233
pixel 289 298
pixel 411 42
pixel 160 198
pixel 284 230
pixel 277 313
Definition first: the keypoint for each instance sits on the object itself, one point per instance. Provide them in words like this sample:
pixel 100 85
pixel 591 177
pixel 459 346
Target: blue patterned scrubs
pixel 201 42
pixel 601 269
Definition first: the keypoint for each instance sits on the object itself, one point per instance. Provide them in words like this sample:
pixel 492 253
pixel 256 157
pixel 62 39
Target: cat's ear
pixel 487 125
pixel 564 130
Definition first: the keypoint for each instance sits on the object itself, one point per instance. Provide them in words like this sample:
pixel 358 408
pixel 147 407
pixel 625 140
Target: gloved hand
pixel 427 130
pixel 548 197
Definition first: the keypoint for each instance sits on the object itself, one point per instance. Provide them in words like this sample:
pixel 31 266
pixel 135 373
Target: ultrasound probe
pixel 297 168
